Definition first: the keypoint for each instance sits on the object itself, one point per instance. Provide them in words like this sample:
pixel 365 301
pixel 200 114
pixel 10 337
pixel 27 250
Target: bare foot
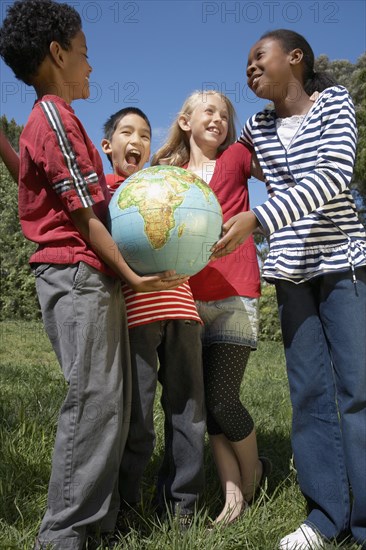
pixel 250 489
pixel 231 512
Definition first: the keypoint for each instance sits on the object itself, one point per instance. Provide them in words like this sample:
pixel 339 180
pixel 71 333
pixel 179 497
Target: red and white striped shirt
pixel 148 307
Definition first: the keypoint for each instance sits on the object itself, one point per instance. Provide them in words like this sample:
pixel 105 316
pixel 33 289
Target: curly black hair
pixel 28 30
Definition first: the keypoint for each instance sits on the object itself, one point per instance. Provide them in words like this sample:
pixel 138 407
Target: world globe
pixel 165 218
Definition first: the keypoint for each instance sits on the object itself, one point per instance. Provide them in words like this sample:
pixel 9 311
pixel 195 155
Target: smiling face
pixel 269 69
pixel 208 123
pixel 129 147
pixel 76 70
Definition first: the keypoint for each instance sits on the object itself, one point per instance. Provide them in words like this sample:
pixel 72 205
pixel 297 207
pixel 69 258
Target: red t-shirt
pixel 238 273
pixel 113 181
pixel 147 307
pixel 60 172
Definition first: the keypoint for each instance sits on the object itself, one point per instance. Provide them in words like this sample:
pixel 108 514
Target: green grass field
pixel 31 392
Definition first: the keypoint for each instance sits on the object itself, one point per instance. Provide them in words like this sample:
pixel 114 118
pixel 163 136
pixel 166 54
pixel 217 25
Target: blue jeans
pixel 324 332
pixel 171 352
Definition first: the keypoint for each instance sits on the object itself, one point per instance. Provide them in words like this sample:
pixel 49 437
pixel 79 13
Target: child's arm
pixel 235 231
pixel 93 230
pixel 9 156
pixel 329 177
pixel 90 226
pixel 255 169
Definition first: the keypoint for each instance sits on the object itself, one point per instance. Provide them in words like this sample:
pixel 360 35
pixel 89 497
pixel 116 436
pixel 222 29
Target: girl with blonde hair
pixel 226 292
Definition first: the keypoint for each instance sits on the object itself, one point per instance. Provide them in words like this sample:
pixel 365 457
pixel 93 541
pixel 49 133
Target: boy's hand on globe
pixel 166 280
pixel 174 277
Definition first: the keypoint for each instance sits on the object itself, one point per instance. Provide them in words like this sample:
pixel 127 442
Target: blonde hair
pixel 176 150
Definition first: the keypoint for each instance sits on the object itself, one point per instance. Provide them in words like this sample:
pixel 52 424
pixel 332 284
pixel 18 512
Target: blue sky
pixel 153 53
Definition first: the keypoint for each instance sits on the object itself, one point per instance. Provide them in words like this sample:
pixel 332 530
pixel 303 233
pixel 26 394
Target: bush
pixel 18 298
pixel 269 325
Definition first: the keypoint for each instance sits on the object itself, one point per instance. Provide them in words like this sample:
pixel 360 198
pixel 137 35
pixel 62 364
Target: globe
pixel 165 218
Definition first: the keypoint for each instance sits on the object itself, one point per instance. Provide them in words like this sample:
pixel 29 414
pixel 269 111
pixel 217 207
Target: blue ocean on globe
pixel 164 218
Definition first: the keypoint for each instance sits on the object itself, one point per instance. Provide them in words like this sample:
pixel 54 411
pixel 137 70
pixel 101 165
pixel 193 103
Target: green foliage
pixel 11 130
pixel 262 246
pixel 18 297
pixel 269 324
pixel 360 167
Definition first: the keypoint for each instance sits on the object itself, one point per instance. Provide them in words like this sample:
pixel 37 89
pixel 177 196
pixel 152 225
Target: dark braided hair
pixel 290 40
pixel 28 30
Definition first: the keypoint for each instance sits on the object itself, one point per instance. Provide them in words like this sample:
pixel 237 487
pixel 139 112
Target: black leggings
pixel 223 368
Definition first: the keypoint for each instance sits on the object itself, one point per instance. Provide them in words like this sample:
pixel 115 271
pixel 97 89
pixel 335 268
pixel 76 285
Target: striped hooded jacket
pixel 310 214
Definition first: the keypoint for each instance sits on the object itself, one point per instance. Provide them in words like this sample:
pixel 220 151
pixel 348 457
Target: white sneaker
pixel 304 538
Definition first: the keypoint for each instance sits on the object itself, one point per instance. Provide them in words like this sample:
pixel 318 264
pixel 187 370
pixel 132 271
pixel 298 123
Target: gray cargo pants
pixel 84 316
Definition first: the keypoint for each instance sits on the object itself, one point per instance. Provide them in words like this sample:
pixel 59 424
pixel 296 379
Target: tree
pixel 18 296
pixel 262 246
pixel 11 130
pixel 359 80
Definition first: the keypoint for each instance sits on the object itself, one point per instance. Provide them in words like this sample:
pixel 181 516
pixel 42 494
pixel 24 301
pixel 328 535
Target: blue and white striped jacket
pixel 310 214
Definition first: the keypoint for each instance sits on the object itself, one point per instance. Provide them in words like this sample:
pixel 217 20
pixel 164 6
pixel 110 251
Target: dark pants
pixel 223 371
pixel 324 331
pixel 176 345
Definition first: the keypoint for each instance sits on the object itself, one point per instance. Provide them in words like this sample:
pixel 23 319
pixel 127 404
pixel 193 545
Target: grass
pixel 31 392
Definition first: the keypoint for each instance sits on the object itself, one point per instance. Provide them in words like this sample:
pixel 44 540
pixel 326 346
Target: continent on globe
pixel 165 217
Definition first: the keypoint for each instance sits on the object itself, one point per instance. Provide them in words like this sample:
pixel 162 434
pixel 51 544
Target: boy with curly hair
pixel 63 200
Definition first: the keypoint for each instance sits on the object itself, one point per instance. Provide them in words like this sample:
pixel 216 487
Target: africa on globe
pixel 164 218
